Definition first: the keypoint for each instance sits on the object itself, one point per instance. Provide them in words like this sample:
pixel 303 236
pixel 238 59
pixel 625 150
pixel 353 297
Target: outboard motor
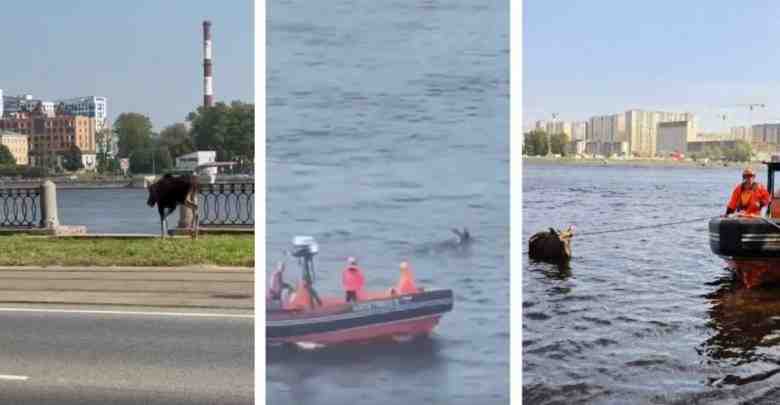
pixel 305 248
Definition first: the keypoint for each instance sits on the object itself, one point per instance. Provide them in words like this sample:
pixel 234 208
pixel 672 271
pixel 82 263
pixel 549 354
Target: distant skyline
pixel 145 56
pixel 583 58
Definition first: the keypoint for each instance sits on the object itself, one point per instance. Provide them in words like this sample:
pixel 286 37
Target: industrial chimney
pixel 208 94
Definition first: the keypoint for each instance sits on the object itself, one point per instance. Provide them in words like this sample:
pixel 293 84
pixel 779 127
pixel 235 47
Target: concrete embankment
pixel 180 288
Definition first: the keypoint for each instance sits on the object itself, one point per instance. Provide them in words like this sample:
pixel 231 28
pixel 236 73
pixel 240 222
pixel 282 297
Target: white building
pixel 579 130
pixel 606 135
pixel 766 133
pixel 673 136
pixel 191 161
pixel 642 129
pixel 742 133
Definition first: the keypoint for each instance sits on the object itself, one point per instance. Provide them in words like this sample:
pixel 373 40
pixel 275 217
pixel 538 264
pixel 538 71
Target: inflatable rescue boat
pixel 750 244
pixel 331 320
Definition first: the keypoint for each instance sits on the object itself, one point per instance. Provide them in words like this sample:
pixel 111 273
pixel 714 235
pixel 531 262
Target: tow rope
pixel 634 228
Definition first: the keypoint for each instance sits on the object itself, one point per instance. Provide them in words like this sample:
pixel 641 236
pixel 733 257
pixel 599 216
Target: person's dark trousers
pixel 351 296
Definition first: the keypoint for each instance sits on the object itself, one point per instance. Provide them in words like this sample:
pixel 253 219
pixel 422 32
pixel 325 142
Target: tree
pixel 535 143
pixel 558 143
pixel 226 129
pixel 177 139
pixel 135 133
pixel 71 159
pixel 6 157
pixel 740 153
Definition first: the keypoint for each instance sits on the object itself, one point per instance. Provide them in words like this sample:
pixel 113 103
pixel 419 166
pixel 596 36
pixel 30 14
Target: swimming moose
pixel 170 192
pixel 552 246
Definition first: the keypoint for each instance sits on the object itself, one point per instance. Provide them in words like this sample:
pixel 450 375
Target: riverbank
pixel 221 250
pixel 636 162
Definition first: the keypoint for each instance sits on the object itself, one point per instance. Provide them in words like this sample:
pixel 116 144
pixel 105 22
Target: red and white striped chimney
pixel 208 91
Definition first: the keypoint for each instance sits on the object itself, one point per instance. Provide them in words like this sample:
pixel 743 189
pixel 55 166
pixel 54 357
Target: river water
pixel 647 316
pixel 387 126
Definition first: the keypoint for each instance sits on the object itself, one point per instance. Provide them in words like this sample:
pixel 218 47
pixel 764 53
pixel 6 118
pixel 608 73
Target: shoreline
pixel 637 162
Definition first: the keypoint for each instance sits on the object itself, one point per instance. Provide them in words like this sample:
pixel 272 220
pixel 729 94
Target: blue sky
pixel 585 58
pixel 144 55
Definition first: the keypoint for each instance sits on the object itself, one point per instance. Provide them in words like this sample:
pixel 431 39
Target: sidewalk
pixel 191 287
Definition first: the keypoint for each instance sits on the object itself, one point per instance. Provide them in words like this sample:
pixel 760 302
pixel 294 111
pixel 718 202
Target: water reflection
pixel 422 352
pixel 559 271
pixel 746 323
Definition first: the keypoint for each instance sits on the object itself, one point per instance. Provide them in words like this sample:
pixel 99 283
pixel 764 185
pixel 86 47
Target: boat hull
pixel 392 317
pixel 750 246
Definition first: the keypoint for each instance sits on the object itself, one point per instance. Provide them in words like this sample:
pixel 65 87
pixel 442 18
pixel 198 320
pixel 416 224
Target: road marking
pixel 99 312
pixel 13 377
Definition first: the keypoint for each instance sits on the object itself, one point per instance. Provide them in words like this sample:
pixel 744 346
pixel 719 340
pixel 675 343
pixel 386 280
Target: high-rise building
pixel 606 135
pixel 579 130
pixel 742 133
pixel 642 129
pixel 766 133
pixel 673 136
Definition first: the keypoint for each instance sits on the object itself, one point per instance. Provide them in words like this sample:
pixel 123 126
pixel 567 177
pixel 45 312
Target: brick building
pixel 50 136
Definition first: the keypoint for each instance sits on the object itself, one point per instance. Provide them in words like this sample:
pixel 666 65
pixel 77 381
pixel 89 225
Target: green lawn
pixel 223 250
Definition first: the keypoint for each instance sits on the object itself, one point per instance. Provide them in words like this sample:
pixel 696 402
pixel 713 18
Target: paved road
pixel 113 358
pixel 126 336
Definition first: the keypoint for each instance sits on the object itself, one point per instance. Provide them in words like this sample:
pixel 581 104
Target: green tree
pixel 135 133
pixel 535 143
pixel 71 159
pixel 177 139
pixel 226 129
pixel 741 152
pixel 162 158
pixel 558 143
pixel 6 157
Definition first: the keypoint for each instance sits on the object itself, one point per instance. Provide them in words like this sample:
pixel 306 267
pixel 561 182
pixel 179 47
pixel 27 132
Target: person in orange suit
pixel 748 196
pixel 406 281
pixel 352 279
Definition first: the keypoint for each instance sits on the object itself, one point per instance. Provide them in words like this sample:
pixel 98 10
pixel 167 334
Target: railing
pixel 20 207
pixel 229 204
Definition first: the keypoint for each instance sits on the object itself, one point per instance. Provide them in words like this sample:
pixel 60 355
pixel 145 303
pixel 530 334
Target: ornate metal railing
pixel 20 207
pixel 227 204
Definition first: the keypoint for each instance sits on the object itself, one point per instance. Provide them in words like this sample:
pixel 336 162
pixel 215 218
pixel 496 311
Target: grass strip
pixel 220 250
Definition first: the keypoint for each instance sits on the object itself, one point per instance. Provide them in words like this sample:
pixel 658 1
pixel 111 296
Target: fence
pixel 227 204
pixel 21 207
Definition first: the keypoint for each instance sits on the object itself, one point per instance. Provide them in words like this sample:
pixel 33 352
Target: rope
pixel 687 221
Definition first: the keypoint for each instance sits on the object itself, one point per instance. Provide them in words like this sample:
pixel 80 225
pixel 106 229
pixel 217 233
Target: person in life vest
pixel 278 285
pixel 748 196
pixel 352 280
pixel 405 282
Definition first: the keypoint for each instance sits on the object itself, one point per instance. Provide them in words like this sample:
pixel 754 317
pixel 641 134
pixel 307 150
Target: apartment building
pixel 49 136
pixel 17 145
pixel 766 133
pixel 742 133
pixel 642 129
pixel 673 136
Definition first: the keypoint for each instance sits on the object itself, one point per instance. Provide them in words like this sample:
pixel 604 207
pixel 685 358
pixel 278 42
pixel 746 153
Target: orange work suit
pixel 748 200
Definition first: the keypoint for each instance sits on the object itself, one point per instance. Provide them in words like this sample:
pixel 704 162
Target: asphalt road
pixel 126 335
pixel 55 357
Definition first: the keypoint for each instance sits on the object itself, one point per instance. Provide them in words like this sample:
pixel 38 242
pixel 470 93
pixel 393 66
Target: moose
pixel 170 192
pixel 552 246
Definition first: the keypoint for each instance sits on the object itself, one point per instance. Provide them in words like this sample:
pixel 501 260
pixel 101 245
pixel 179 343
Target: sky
pixel 145 56
pixel 586 58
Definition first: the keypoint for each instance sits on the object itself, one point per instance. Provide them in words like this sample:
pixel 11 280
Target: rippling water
pixel 646 316
pixel 387 126
pixel 110 210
